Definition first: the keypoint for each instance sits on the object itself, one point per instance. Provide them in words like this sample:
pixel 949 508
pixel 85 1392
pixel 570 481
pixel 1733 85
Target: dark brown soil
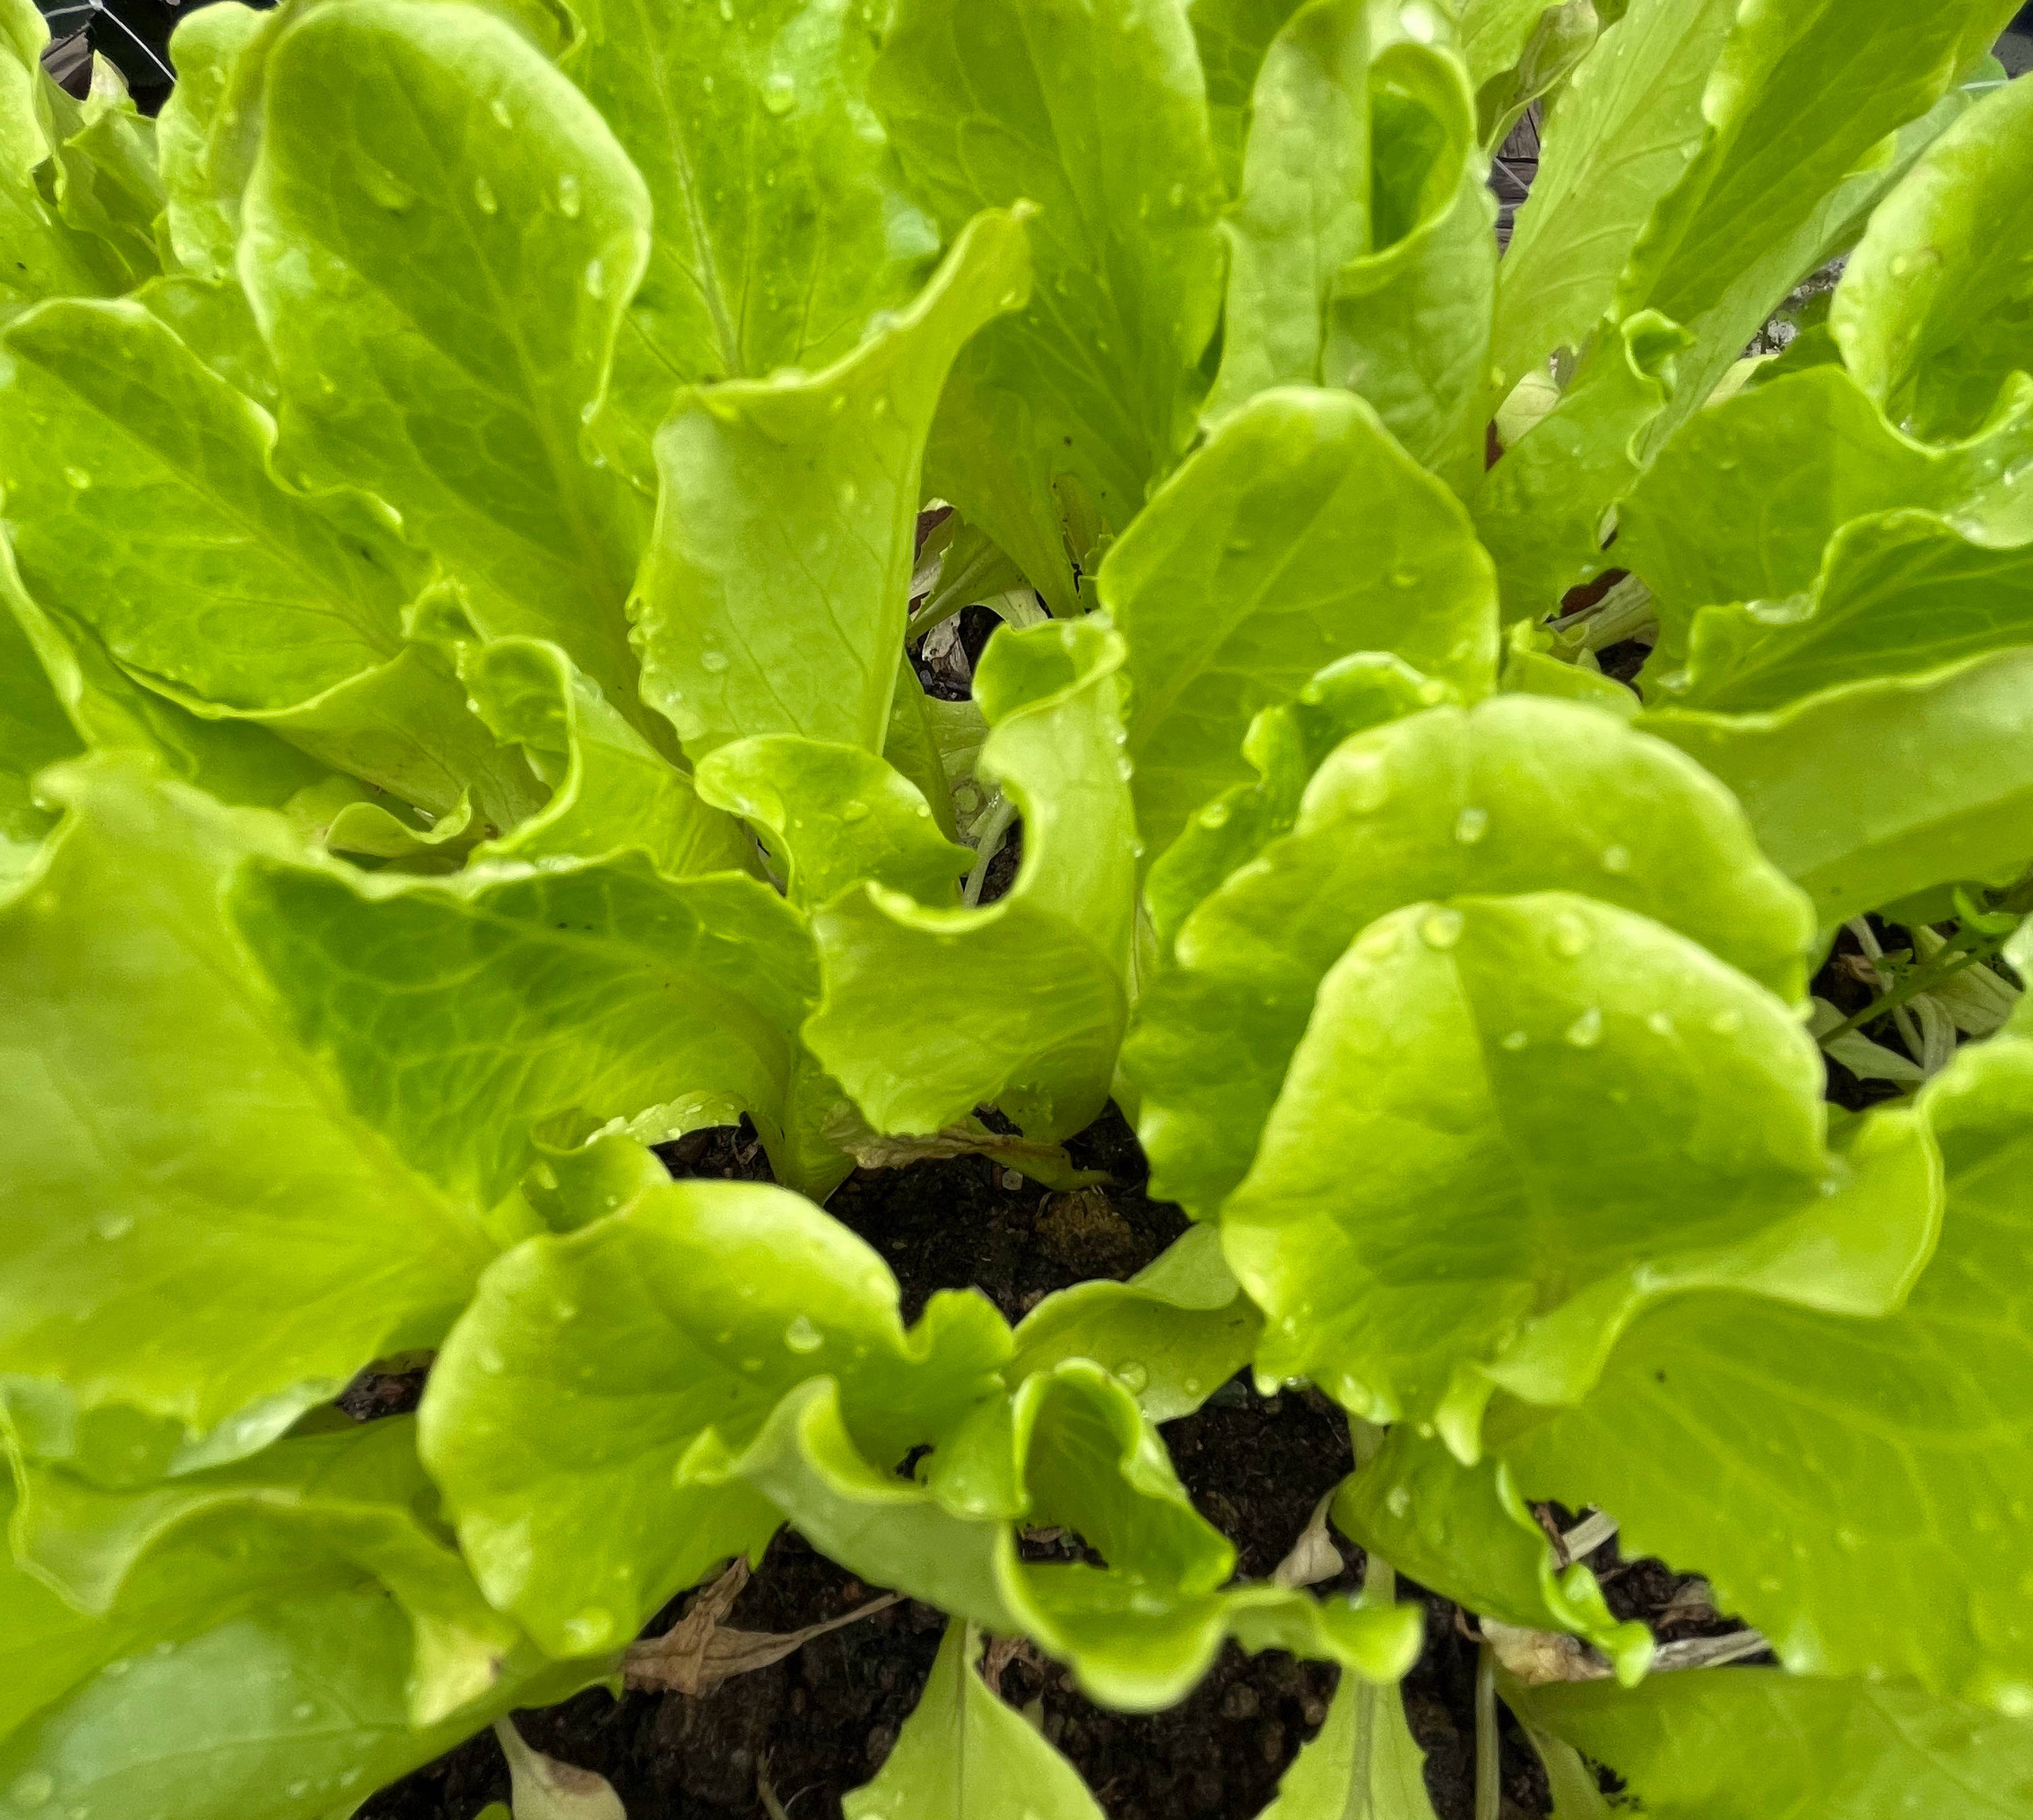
pixel 812 1728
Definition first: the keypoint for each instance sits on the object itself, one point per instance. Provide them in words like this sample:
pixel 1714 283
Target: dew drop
pixel 119 1668
pixel 1571 936
pixel 1404 578
pixel 483 196
pixel 780 91
pixel 1515 1041
pixel 1178 196
pixel 78 478
pixel 1398 1501
pixel 1133 1375
pixel 712 661
pixel 1471 825
pixel 111 1226
pixel 801 1335
pixel 565 1311
pixel 491 1362
pixel 596 279
pixel 751 1364
pixel 588 1629
pixel 298 1789
pixel 727 10
pixel 849 495
pixel 1190 1385
pixel 499 109
pixel 1727 1023
pixel 31 1788
pixel 854 809
pixel 1214 815
pixel 1440 929
pixel 1659 1023
pixel 568 196
pixel 1586 1031
pixel 1616 859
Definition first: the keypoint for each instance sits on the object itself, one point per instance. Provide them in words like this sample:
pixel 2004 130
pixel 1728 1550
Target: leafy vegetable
pixel 492 497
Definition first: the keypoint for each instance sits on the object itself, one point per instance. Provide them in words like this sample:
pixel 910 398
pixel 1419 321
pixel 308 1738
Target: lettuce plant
pixel 462 467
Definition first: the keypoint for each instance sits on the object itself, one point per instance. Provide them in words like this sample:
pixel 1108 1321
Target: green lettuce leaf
pixel 1898 593
pixel 1098 113
pixel 1409 322
pixel 1540 511
pixel 281 1639
pixel 1934 298
pixel 1517 51
pixel 587 1414
pixel 1364 1764
pixel 35 731
pixel 1464 1532
pixel 1303 209
pixel 964 1756
pixel 1173 1335
pixel 1031 990
pixel 442 299
pixel 1710 1745
pixel 1795 101
pixel 1285 746
pixel 1299 533
pixel 211 318
pixel 191 1266
pixel 1445 802
pixel 775 594
pixel 1516 1027
pixel 780 230
pixel 1232 37
pixel 1617 138
pixel 1958 806
pixel 557 995
pixel 610 790
pixel 209 131
pixel 1741 504
pixel 1068 1447
pixel 1858 1483
pixel 835 814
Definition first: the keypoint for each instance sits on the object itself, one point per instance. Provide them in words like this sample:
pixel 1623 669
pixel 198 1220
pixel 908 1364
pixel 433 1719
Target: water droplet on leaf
pixel 1471 825
pixel 1440 929
pixel 1586 1031
pixel 483 196
pixel 801 1335
pixel 568 196
pixel 1133 1375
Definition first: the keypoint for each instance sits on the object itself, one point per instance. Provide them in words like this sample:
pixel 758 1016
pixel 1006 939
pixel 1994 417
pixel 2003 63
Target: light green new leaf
pixel 1032 988
pixel 781 229
pixel 1520 794
pixel 1949 798
pixel 1756 1744
pixel 441 284
pixel 189 1266
pixel 1285 746
pixel 253 1660
pixel 1799 98
pixel 1364 1763
pixel 1604 1113
pixel 1409 322
pixel 462 1014
pixel 210 130
pixel 834 815
pixel 1618 136
pixel 1303 212
pixel 775 593
pixel 584 1417
pixel 1860 1483
pixel 1464 1532
pixel 1933 282
pixel 1541 510
pixel 1518 51
pixel 1173 1334
pixel 1741 504
pixel 964 1755
pixel 1096 112
pixel 1068 1447
pixel 609 790
pixel 1301 532
pixel 1899 593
